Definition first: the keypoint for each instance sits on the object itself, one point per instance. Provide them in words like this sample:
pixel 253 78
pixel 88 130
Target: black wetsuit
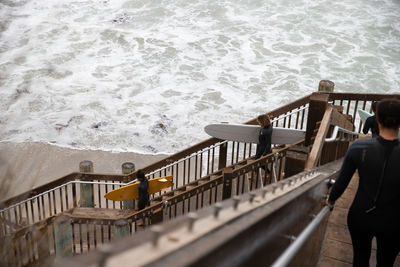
pixel 370 123
pixel 264 142
pixel 375 211
pixel 143 194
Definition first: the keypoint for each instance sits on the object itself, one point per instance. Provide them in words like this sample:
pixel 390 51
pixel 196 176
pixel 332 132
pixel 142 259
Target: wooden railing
pixel 203 175
pixel 185 166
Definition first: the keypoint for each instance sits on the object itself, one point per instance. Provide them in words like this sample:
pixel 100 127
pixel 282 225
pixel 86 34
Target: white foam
pixel 147 76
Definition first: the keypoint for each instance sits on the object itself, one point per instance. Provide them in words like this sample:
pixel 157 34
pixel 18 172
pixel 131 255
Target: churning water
pixel 148 75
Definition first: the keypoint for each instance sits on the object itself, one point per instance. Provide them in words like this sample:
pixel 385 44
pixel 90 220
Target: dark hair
pixel 388 113
pixel 140 174
pixel 373 106
pixel 264 120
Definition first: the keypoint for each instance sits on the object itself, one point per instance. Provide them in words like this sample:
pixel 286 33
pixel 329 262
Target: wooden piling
pixel 326 86
pixel 63 236
pixel 127 168
pixel 121 229
pixel 223 149
pixel 87 196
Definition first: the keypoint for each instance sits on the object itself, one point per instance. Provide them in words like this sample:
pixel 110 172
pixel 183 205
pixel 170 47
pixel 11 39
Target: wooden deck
pixel 337 250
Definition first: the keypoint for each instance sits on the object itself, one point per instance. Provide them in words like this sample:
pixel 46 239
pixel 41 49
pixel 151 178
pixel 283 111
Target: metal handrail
pixel 338 135
pixel 292 250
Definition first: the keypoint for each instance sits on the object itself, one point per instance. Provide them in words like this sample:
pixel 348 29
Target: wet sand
pixel 24 166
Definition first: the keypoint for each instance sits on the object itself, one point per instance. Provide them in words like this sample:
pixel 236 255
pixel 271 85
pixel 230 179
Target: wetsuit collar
pixel 387 142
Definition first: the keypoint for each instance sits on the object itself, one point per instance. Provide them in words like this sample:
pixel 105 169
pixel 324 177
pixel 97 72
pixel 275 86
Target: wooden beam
pixel 319 139
pixel 317 107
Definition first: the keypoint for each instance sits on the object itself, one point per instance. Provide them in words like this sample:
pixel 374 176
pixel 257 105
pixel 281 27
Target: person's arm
pixel 367 125
pixel 261 145
pixel 267 139
pixel 346 173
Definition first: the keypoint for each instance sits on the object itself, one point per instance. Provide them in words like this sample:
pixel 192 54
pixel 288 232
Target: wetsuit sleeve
pixel 367 125
pixel 261 145
pixel 143 194
pixel 346 173
pixel 268 135
pixel 264 146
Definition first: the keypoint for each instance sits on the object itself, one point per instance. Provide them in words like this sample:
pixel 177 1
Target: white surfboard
pixel 364 115
pixel 249 133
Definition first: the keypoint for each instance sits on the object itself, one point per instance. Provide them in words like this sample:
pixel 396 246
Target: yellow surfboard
pixel 131 191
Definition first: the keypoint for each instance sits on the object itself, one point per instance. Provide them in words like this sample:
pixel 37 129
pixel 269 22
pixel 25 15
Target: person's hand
pixel 330 204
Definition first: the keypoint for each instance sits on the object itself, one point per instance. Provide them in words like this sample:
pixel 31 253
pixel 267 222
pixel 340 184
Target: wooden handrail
pixel 154 166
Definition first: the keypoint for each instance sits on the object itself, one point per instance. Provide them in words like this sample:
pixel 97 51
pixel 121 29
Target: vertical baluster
pixel 290 120
pixel 213 160
pixel 208 161
pixel 184 172
pixel 43 207
pixel 38 208
pixel 216 192
pixel 284 120
pixel 102 232
pixel 54 202
pixel 27 213
pixel 197 199
pixel 113 188
pixel 80 235
pixel 302 117
pixel 66 197
pixel 88 234
pixel 348 106
pixel 74 200
pixel 175 209
pixel 233 151
pixel 280 167
pixel 201 164
pixel 73 237
pixel 297 119
pixel 189 165
pixel 355 112
pixel 20 213
pixel 195 167
pixel 210 193
pixel 177 174
pixel 237 152
pixel 32 210
pixel 61 200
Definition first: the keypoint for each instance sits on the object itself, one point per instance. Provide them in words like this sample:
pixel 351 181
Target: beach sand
pixel 24 166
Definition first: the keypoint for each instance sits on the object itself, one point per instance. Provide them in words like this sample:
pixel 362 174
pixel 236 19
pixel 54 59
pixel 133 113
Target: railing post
pixel 6 252
pixel 326 86
pixel 157 215
pixel 127 168
pixel 223 149
pixel 121 229
pixel 42 238
pixel 86 199
pixel 317 107
pixel 63 236
pixel 227 183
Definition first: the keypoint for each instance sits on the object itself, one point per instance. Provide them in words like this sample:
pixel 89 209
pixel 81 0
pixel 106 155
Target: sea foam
pixel 147 76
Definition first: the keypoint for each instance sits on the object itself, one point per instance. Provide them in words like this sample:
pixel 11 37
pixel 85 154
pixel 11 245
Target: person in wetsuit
pixel 264 136
pixel 143 190
pixel 371 123
pixel 375 211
